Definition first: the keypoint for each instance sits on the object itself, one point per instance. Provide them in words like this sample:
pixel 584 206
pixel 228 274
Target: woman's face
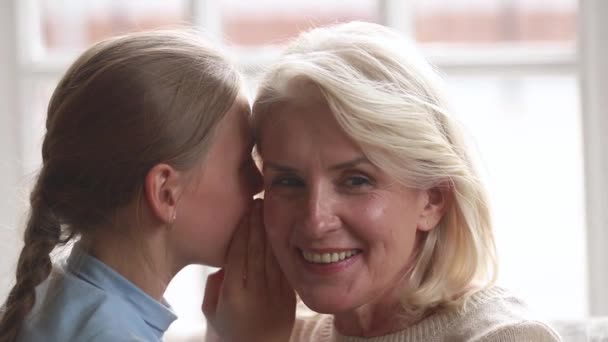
pixel 343 230
pixel 220 193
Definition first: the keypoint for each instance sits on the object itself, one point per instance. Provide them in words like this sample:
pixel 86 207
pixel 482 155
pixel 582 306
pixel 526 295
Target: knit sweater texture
pixel 491 315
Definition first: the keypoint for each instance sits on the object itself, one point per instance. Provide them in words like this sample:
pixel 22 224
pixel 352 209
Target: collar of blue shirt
pixel 158 315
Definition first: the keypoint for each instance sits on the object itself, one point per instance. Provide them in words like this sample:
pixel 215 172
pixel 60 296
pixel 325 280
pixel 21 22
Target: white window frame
pixel 10 114
pixel 594 82
pixel 18 61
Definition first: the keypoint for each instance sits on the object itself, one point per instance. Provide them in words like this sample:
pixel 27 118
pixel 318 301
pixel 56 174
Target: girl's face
pixel 222 190
pixel 343 231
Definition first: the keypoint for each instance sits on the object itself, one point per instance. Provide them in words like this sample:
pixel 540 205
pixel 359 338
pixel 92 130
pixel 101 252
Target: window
pixel 70 26
pixel 511 72
pixel 527 130
pixel 512 77
pixel 261 23
pixel 495 21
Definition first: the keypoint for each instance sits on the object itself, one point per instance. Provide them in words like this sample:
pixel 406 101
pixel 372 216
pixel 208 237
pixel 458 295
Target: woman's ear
pixel 435 205
pixel 162 186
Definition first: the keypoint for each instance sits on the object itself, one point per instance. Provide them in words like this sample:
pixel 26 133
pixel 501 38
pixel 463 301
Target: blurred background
pixel 513 72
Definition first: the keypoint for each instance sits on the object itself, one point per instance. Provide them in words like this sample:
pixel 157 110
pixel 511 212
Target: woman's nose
pixel 321 217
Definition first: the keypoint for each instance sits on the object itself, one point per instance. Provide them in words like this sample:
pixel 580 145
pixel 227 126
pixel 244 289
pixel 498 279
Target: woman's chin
pixel 326 305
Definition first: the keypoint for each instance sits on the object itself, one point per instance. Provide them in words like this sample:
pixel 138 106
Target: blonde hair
pixel 125 105
pixel 387 99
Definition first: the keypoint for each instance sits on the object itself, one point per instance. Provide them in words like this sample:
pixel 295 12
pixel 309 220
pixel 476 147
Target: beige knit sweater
pixel 492 315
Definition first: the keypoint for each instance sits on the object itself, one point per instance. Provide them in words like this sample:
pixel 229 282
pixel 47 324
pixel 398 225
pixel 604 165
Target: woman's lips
pixel 328 256
pixel 327 261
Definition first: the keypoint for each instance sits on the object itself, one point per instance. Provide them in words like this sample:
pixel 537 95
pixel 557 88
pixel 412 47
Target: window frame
pixel 10 113
pixel 593 30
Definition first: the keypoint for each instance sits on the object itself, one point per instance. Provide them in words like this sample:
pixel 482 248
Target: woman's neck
pixel 370 322
pixel 380 317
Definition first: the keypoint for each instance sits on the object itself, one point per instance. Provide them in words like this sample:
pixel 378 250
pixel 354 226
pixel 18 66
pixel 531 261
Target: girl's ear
pixel 436 203
pixel 162 186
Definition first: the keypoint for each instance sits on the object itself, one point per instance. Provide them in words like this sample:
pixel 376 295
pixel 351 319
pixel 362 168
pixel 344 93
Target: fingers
pixel 273 272
pixel 236 259
pixel 246 257
pixel 257 245
pixel 212 293
pixel 262 306
pixel 276 281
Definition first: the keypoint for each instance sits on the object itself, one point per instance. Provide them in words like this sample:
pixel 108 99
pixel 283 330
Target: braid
pixel 42 234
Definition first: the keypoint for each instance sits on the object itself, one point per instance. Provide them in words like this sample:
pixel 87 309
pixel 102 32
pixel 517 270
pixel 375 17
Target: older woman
pixel 372 205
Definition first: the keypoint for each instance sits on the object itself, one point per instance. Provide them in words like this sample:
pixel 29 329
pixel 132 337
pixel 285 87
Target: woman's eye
pixel 287 182
pixel 357 181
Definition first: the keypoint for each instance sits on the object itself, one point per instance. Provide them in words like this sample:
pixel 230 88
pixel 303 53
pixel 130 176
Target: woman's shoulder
pixel 529 330
pixel 496 314
pixel 490 315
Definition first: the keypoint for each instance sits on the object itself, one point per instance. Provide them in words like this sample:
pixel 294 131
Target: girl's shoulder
pixel 69 309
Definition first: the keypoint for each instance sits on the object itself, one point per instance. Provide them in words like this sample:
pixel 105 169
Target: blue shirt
pixel 85 300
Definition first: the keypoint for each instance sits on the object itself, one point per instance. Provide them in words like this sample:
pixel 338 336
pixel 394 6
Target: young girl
pixel 147 167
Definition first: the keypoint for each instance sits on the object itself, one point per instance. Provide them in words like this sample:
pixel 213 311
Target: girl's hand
pixel 250 299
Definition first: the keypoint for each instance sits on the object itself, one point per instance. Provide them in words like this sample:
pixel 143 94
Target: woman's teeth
pixel 328 258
